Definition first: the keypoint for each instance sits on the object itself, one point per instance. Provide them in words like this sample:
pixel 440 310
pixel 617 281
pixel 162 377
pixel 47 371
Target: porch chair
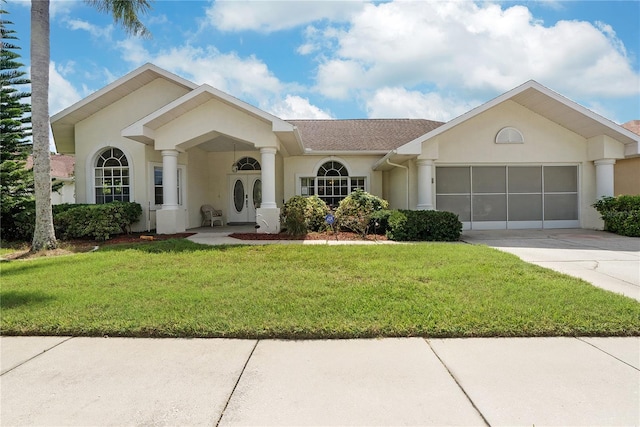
pixel 210 215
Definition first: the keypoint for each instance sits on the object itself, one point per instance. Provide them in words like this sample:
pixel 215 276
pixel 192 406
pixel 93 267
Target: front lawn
pixel 177 288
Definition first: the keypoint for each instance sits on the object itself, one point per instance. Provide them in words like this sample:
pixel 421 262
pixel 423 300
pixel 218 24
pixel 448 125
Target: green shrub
pixel 405 225
pixel 380 221
pixel 621 214
pixel 96 221
pixel 18 223
pixel 303 214
pixel 356 210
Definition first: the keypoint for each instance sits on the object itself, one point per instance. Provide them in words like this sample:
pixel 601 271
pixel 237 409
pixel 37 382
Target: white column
pixel 268 177
pixel 170 179
pixel 170 219
pixel 604 178
pixel 425 178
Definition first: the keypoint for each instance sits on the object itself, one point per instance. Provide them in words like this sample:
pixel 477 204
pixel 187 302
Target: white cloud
pixel 397 102
pixel 479 48
pixel 62 94
pixel 296 107
pixel 268 16
pixel 247 78
pixel 94 30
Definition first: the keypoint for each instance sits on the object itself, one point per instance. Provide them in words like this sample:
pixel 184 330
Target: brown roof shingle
pixel 361 134
pixel 633 126
pixel 62 165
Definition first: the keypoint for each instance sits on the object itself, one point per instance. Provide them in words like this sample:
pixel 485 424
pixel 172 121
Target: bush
pixel 73 221
pixel 303 214
pixel 621 214
pixel 405 225
pixel 18 223
pixel 355 212
pixel 96 221
pixel 380 221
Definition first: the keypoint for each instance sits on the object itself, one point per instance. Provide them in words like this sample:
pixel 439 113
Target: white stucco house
pixel 529 158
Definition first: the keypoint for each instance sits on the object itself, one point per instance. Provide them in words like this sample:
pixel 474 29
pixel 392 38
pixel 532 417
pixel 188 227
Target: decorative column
pixel 171 218
pixel 268 214
pixel 169 179
pixel 425 187
pixel 268 177
pixel 604 178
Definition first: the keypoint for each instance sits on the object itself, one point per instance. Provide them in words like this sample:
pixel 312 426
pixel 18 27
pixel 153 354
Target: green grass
pixel 177 288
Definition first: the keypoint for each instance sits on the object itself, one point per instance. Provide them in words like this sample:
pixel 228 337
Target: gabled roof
pixel 62 123
pixel 541 100
pixel 144 129
pixel 554 107
pixel 360 135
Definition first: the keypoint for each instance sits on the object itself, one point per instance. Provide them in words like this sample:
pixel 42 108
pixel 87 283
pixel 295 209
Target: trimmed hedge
pixel 621 214
pixel 73 221
pixel 303 214
pixel 405 225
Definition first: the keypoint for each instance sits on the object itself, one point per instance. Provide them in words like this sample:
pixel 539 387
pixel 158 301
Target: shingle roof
pixel 61 165
pixel 633 126
pixel 361 134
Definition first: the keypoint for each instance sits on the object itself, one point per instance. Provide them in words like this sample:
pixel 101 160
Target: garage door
pixel 499 197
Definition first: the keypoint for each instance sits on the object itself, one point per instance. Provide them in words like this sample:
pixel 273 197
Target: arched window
pixel 332 183
pixel 112 180
pixel 248 164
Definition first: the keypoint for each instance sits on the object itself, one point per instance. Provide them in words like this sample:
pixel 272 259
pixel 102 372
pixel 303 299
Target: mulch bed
pixel 327 235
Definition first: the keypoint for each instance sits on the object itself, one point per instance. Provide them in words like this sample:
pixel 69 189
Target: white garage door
pixel 499 197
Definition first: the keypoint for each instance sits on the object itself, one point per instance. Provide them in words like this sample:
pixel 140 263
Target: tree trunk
pixel 44 235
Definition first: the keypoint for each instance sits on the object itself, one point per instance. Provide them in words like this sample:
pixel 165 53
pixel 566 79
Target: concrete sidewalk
pixel 401 381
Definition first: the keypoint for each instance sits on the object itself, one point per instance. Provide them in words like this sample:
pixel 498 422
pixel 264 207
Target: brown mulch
pixel 326 235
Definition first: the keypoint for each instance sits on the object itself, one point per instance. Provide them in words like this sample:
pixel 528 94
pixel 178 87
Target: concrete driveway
pixel 603 259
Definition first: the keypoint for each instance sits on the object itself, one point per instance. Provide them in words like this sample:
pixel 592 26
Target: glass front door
pixel 246 197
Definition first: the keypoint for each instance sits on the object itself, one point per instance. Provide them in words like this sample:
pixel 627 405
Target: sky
pixel 349 59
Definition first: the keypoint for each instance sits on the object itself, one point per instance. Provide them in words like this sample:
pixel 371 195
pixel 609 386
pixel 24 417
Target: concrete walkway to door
pixel 604 259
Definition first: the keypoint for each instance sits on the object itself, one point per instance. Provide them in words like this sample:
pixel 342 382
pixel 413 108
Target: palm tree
pixel 125 13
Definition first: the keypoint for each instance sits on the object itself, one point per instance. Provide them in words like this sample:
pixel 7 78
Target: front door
pixel 245 193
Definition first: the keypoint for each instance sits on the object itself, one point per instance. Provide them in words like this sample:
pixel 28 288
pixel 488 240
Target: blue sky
pixel 348 59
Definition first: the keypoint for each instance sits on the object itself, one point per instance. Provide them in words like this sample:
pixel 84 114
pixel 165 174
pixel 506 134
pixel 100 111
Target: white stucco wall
pixel 66 194
pixel 103 129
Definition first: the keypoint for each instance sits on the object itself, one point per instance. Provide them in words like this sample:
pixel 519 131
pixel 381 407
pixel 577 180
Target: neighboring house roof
pixel 633 126
pixel 372 135
pixel 62 166
pixel 62 123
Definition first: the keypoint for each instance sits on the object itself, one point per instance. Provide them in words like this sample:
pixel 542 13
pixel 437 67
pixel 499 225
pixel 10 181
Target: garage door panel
pixel 525 179
pixel 560 207
pixel 560 179
pixel 525 207
pixel 491 207
pixel 459 204
pixel 489 179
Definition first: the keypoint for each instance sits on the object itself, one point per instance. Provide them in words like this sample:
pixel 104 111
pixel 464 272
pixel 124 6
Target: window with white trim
pixel 332 183
pixel 111 177
pixel 157 196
